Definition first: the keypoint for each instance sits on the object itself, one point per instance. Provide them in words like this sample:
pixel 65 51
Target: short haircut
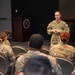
pixel 64 36
pixel 36 41
pixel 38 65
pixel 57 11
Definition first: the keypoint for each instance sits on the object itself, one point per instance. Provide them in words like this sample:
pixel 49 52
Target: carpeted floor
pixel 25 44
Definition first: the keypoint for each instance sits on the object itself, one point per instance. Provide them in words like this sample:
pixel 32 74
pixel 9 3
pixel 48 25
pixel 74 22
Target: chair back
pixel 67 66
pixel 18 50
pixel 45 50
pixel 3 65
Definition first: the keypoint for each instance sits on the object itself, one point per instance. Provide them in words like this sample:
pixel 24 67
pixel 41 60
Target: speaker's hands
pixel 56 31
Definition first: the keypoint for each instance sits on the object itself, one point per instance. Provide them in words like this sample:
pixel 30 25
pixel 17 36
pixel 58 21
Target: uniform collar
pixel 31 51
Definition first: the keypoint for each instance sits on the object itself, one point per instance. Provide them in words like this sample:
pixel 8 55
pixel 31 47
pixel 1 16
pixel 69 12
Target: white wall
pixel 67 8
pixel 5 12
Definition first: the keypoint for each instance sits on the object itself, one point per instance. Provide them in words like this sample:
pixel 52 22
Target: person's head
pixel 38 65
pixel 3 36
pixel 64 36
pixel 57 15
pixel 36 41
pixel 8 32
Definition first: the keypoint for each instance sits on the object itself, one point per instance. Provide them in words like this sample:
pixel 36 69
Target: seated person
pixel 36 43
pixel 5 38
pixel 63 49
pixel 37 65
pixel 6 49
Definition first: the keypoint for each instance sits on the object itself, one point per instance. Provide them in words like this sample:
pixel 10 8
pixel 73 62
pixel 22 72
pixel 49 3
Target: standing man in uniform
pixel 56 27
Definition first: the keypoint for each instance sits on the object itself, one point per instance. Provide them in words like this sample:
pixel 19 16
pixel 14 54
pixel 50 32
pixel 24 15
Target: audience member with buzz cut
pixel 37 65
pixel 35 43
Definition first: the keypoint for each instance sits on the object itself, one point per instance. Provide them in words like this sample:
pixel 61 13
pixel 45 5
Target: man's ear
pixel 42 47
pixel 28 43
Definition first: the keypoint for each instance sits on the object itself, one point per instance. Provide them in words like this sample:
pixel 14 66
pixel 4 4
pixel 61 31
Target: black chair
pixel 67 66
pixel 18 50
pixel 45 50
pixel 3 65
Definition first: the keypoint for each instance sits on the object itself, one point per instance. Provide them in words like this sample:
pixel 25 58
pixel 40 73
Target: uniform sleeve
pixel 11 55
pixel 19 64
pixel 49 28
pixel 56 67
pixel 7 42
pixel 73 57
pixel 51 51
pixel 65 28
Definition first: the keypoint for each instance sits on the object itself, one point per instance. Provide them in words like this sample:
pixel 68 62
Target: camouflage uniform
pixel 23 58
pixel 8 52
pixel 63 50
pixel 7 42
pixel 62 26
